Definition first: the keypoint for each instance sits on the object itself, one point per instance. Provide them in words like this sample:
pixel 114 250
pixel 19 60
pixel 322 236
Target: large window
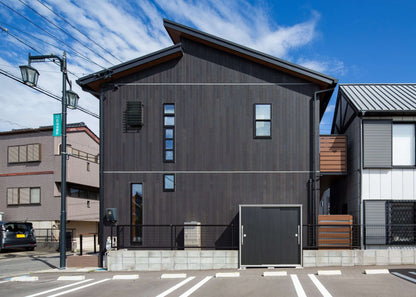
pixel 169 132
pixel 262 120
pixel 137 212
pixel 23 196
pixel 23 153
pixel 403 144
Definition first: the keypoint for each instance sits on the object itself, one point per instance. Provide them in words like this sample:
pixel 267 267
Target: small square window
pixel 169 182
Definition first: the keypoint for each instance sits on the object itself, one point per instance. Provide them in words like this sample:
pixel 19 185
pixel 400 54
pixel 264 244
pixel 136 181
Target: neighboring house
pixel 30 178
pixel 380 188
pixel 199 131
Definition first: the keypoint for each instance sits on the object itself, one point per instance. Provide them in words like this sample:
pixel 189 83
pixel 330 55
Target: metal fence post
pixel 95 247
pixel 80 244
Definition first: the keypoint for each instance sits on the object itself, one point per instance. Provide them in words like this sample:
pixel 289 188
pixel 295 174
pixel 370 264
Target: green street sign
pixel 57 122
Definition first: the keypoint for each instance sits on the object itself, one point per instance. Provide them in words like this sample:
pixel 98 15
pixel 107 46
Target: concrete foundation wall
pixel 125 260
pixel 321 258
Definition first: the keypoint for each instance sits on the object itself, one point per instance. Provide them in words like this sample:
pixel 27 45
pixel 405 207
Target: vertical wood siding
pixel 214 138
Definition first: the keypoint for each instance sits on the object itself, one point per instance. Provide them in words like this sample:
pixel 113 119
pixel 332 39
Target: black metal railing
pixel 51 235
pixel 178 237
pixel 175 237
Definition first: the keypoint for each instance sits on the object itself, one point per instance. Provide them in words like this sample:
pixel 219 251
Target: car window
pixel 15 227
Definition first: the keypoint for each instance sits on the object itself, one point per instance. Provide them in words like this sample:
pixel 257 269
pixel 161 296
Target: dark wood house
pixel 206 129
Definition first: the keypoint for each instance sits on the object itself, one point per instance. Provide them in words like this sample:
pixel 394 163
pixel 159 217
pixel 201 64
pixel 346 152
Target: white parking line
pixel 59 288
pixel 298 286
pixel 404 277
pixel 177 286
pixel 320 286
pixel 80 288
pixel 6 281
pixel 196 287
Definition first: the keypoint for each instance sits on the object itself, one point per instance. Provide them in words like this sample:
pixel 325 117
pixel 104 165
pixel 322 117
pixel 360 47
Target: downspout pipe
pixel 315 149
pixel 101 209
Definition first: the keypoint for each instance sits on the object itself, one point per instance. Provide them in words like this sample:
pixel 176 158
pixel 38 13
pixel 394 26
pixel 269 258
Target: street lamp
pixel 69 99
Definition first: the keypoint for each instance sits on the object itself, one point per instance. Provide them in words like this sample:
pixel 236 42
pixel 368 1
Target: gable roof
pixel 91 83
pixel 381 98
pixel 176 31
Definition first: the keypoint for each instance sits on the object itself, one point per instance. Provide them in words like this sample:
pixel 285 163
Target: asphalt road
pixel 250 282
pixel 36 274
pixel 17 262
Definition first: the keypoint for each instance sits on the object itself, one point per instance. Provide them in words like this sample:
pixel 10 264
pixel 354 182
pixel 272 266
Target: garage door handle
pixel 242 235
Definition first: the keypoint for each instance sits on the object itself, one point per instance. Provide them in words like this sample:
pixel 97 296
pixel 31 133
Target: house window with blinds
pixel 23 196
pixel 24 153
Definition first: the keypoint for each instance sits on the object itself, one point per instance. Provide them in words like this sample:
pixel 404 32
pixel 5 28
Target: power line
pixel 47 93
pixel 63 19
pixel 31 47
pixel 27 19
pixel 59 28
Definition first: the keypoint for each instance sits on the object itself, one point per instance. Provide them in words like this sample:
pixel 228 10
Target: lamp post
pixel 69 99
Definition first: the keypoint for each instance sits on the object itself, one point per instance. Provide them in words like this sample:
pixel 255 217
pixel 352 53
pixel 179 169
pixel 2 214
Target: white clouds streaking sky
pixel 120 30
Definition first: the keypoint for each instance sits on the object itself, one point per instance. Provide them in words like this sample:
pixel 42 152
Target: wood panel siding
pixel 218 162
pixel 335 231
pixel 333 154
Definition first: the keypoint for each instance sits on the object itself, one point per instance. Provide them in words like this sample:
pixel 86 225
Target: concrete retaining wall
pixel 128 260
pixel 320 258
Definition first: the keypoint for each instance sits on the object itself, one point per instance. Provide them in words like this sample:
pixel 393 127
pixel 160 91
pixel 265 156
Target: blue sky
pixel 354 41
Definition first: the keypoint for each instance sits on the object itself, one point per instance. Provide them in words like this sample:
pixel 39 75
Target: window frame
pixel 169 127
pixel 165 189
pixel 26 158
pixel 392 145
pixel 255 121
pixel 19 190
pixel 132 223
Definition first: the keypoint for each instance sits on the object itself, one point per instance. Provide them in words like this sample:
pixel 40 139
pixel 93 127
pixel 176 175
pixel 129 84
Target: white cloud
pixel 129 29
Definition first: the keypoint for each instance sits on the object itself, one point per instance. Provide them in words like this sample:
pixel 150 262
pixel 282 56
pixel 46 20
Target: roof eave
pixel 92 82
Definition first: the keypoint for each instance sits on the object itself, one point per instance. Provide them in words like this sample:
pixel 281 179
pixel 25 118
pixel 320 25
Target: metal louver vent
pixel 133 116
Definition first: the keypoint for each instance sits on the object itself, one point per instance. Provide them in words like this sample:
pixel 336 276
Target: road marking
pixel 177 286
pixel 227 274
pixel 125 276
pixel 298 286
pixel 59 288
pixel 71 278
pixel 412 272
pixel 275 273
pixel 320 286
pixel 6 281
pixel 329 272
pixel 80 288
pixel 404 277
pixel 173 275
pixel 24 278
pixel 196 287
pixel 376 271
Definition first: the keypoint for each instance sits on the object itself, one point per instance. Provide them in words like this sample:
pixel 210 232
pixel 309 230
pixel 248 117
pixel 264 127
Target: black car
pixel 17 235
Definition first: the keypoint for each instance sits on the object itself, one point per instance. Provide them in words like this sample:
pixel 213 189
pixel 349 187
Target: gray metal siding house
pixel 379 190
pixel 221 126
pixel 30 178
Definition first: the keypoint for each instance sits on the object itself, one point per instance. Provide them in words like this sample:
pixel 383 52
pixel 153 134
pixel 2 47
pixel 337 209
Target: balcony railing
pixel 333 153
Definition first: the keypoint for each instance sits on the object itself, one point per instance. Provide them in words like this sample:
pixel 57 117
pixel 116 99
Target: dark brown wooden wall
pixel 214 136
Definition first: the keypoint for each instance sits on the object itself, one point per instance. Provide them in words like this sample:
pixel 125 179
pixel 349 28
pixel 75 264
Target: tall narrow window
pixel 262 121
pixel 137 212
pixel 403 145
pixel 169 132
pixel 169 182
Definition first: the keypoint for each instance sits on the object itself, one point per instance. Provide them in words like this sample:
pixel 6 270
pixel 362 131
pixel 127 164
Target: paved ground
pixel 36 274
pixel 250 282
